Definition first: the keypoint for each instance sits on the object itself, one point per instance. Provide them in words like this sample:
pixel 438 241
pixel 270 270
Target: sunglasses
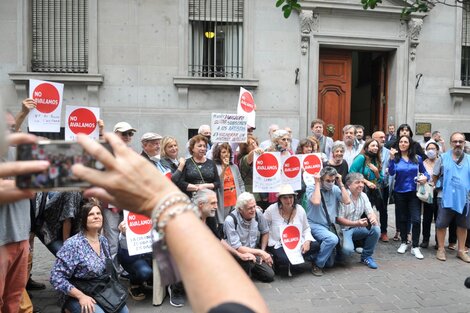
pixel 127 134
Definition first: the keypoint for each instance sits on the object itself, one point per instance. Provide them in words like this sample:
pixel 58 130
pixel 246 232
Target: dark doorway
pixel 368 90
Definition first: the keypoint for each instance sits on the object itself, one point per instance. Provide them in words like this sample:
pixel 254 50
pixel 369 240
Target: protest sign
pixel 46 116
pixel 266 172
pixel 311 164
pixel 228 128
pixel 138 233
pixel 291 173
pixel 246 106
pixel 81 120
pixel 291 243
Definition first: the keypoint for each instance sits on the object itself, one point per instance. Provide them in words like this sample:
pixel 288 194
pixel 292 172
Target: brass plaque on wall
pixel 421 128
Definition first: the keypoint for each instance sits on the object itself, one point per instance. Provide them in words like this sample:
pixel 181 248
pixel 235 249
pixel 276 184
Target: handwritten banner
pixel 228 127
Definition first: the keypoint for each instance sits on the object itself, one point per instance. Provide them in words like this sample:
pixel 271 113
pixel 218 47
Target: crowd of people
pixel 343 212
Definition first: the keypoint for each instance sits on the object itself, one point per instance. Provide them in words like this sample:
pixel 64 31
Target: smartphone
pixel 61 155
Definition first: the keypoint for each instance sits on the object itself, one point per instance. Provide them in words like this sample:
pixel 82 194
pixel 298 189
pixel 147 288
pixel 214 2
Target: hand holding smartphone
pixel 61 155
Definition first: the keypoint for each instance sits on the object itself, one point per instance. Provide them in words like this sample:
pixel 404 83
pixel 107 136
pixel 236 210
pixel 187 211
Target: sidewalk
pixel 402 283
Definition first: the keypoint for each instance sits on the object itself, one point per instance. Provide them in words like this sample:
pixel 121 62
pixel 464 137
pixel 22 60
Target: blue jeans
pixel 328 242
pixel 358 233
pixel 410 210
pixel 138 266
pixel 73 306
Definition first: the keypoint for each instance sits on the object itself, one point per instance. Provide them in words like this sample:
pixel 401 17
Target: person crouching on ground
pixel 241 230
pixel 354 226
pixel 287 212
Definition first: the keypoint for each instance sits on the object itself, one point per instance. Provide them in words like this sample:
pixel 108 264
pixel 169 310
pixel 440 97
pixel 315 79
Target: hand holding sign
pixel 82 120
pixel 47 98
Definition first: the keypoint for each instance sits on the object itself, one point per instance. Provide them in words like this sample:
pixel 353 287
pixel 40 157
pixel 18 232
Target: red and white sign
pixel 291 171
pixel 246 106
pixel 46 116
pixel 138 233
pixel 81 120
pixel 291 240
pixel 311 164
pixel 267 172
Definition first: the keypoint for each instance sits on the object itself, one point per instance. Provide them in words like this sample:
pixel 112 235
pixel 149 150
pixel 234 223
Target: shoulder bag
pixel 106 289
pixel 333 227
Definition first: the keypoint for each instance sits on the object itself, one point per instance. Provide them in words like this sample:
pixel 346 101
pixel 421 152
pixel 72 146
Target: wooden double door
pixel 335 90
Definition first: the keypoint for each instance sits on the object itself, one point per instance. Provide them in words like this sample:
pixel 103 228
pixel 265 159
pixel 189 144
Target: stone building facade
pixel 138 53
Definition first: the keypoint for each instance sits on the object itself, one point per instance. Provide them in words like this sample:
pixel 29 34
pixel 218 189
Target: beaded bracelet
pixel 176 203
pixel 166 202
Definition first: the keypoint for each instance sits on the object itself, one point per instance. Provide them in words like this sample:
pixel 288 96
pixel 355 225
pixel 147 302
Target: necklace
pixel 91 240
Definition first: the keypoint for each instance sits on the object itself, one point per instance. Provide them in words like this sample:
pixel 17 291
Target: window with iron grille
pixel 465 62
pixel 216 38
pixel 60 36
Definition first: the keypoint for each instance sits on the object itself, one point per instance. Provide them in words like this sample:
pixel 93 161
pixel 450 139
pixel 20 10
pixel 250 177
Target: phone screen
pixel 61 155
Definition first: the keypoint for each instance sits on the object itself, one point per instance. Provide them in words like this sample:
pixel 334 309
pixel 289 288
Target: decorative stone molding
pixel 414 29
pixel 316 22
pixel 402 31
pixel 304 45
pixel 306 22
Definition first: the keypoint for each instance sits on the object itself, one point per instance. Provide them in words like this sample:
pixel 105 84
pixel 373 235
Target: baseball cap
pixel 123 127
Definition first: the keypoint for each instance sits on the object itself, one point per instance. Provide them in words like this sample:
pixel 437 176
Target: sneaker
pixel 417 253
pixel 452 246
pixel 317 271
pixel 441 255
pixel 397 236
pixel 369 261
pixel 402 248
pixel 384 237
pixel 463 256
pixel 137 293
pixel 176 296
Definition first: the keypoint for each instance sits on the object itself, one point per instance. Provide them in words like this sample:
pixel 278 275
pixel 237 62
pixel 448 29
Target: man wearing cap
pixel 151 150
pixel 113 216
pixel 124 131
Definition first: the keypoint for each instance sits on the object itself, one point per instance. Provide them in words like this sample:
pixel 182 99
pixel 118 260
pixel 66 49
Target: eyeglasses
pixel 127 134
pixel 458 141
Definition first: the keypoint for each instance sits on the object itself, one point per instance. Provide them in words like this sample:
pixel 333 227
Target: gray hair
pixel 328 171
pixel 348 127
pixel 352 177
pixel 202 195
pixel 243 199
pixel 338 145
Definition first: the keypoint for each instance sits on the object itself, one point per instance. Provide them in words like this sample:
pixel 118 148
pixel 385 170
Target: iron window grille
pixel 216 38
pixel 60 36
pixel 465 61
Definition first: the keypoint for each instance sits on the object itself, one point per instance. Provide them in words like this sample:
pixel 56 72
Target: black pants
pixel 281 261
pixel 429 213
pixel 409 207
pixel 259 270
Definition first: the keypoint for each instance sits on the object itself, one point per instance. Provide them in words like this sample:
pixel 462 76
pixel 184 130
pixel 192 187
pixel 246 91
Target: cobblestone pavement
pixel 402 283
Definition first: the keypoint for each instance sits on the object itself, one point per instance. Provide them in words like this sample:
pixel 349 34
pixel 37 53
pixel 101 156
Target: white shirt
pixel 276 221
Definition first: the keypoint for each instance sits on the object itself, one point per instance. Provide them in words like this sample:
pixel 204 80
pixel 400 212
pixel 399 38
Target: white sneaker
pixel 402 248
pixel 359 250
pixel 417 253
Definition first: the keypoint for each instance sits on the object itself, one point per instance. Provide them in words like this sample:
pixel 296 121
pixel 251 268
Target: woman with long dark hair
pixel 369 164
pixel 409 170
